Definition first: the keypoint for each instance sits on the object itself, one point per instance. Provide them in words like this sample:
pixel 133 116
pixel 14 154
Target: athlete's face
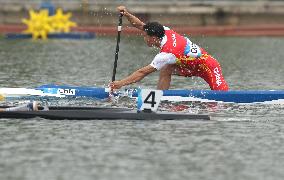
pixel 151 40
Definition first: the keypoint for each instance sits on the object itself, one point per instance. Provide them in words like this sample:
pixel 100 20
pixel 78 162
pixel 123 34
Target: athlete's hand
pixel 122 10
pixel 115 85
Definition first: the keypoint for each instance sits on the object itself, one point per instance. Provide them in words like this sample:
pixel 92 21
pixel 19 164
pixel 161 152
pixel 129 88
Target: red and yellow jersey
pixel 176 49
pixel 180 46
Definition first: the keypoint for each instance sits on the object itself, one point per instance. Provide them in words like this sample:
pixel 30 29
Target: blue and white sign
pixel 149 99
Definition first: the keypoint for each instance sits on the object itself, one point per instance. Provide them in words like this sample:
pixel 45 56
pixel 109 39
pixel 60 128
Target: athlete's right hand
pixel 122 10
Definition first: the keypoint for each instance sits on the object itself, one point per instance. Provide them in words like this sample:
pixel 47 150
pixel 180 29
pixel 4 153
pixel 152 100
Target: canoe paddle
pixel 117 46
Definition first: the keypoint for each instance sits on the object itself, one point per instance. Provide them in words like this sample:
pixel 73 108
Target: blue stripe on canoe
pixel 236 96
pixel 94 92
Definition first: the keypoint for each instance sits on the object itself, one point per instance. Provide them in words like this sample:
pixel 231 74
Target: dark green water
pixel 242 142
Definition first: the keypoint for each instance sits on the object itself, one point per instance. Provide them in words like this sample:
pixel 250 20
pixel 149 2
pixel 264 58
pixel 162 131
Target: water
pixel 242 142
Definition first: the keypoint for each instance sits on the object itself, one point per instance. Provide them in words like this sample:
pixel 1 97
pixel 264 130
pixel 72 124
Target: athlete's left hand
pixel 115 85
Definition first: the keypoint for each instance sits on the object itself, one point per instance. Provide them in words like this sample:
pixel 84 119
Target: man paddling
pixel 178 56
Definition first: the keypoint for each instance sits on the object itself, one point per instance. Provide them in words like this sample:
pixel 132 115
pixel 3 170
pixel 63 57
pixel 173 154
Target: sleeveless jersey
pixel 180 46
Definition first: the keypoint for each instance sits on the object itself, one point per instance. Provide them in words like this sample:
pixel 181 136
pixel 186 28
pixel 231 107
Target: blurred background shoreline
pixel 195 17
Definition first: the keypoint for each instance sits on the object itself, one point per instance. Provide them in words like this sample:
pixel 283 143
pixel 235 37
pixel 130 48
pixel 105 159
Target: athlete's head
pixel 154 32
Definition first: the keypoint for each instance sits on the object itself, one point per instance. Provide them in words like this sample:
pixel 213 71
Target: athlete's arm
pixel 133 78
pixel 134 21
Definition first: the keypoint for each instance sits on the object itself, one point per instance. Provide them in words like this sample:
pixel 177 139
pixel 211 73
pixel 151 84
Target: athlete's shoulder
pixel 163 58
pixel 169 31
pixel 166 28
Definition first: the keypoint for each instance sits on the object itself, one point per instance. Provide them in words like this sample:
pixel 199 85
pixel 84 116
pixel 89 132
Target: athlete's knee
pixel 217 81
pixel 219 86
pixel 224 87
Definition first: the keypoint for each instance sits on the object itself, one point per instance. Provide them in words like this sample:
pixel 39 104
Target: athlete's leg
pixel 211 72
pixel 165 77
pixel 183 71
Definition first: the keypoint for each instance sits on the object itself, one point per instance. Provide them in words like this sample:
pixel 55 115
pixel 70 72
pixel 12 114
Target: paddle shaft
pixel 117 46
